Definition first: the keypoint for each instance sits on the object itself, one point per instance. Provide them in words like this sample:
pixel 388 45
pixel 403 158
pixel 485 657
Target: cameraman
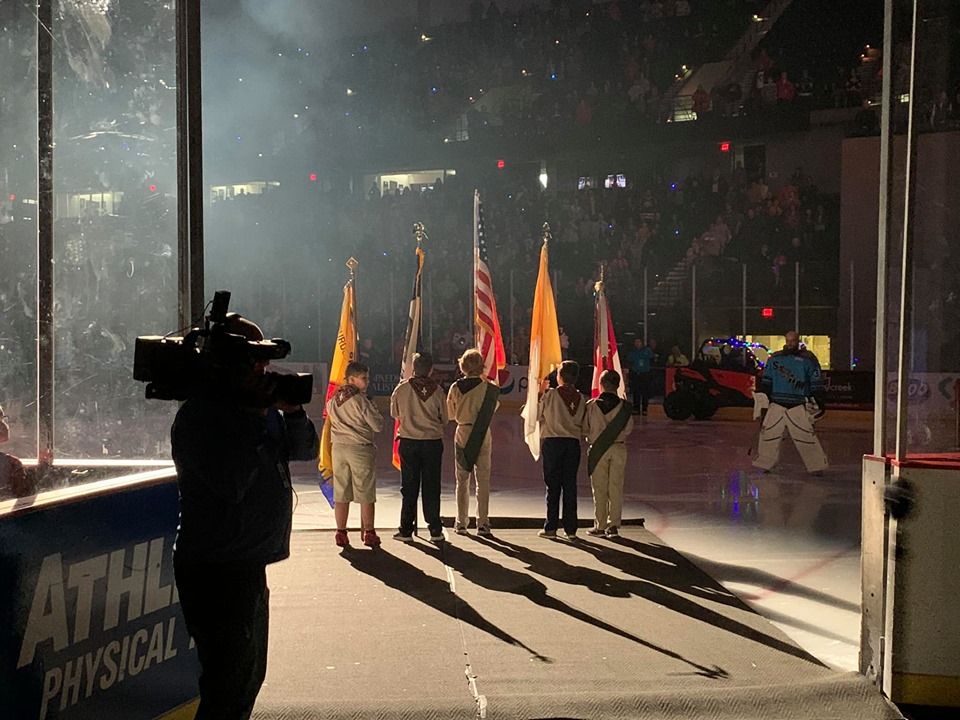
pixel 231 447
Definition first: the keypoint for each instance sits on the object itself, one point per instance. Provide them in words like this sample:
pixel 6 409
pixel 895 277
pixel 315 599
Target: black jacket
pixel 236 501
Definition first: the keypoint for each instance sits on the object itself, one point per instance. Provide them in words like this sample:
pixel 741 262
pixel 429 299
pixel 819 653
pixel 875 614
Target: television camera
pixel 217 358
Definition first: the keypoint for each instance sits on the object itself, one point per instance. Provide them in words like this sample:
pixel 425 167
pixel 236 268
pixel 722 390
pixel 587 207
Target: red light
pixel 313 177
pixel 767 312
pixel 152 188
pixel 501 164
pixel 724 147
pixel 11 197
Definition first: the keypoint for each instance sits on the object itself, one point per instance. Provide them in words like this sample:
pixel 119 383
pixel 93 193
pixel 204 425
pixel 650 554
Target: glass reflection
pixel 18 226
pixel 115 220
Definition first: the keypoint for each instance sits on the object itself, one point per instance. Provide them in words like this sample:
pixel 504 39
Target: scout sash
pixel 610 433
pixel 468 454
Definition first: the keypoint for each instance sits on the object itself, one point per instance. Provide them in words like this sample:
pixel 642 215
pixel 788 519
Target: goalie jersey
pixel 789 378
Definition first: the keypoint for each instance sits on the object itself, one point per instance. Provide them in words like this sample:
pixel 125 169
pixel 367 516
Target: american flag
pixel 487 333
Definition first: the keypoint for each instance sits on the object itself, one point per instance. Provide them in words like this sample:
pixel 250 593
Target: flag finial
pixel 419 233
pixel 353 264
pixel 545 233
pixel 598 286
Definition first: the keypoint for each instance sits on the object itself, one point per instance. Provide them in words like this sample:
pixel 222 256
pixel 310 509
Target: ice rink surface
pixel 786 543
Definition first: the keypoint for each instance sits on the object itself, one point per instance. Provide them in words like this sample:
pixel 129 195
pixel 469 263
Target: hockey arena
pixel 479 359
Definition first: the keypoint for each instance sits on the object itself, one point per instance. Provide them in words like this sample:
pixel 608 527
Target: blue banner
pixel 90 617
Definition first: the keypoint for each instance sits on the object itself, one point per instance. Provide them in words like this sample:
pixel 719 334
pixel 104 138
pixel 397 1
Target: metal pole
pixel 693 311
pixel 796 296
pixel 880 655
pixel 906 265
pixel 189 165
pixel 884 229
pixel 646 313
pixel 45 259
pixel 743 303
pixel 472 285
pixel 353 264
pixel 853 356
pixel 471 300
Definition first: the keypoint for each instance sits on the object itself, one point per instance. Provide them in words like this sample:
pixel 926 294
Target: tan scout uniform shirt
pixel 463 408
pixel 556 418
pixel 597 421
pixel 353 418
pixel 419 405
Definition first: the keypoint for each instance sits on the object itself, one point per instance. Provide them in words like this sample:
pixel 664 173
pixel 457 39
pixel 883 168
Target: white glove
pixel 813 409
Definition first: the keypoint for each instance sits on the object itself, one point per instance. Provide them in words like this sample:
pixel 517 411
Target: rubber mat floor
pixel 517 626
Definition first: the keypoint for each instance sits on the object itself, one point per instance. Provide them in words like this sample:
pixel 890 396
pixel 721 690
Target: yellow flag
pixel 545 353
pixel 344 353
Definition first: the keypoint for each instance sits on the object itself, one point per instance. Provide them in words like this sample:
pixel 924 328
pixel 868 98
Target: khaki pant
pixel 354 479
pixel 797 422
pixel 607 484
pixel 481 476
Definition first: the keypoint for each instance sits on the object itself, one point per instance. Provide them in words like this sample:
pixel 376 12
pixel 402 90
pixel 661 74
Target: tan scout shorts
pixel 353 473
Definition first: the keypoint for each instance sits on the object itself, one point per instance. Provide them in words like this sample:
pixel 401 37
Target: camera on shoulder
pixel 217 358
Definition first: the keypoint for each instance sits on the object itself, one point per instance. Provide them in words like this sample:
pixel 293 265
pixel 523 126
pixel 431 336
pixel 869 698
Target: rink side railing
pixel 87 592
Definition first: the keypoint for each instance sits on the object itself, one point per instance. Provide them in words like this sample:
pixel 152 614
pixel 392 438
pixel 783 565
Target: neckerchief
pixel 466 384
pixel 424 387
pixel 344 393
pixel 607 402
pixel 571 398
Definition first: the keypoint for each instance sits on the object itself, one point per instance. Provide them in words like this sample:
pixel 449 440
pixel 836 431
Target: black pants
pixel 561 460
pixel 420 464
pixel 640 387
pixel 227 612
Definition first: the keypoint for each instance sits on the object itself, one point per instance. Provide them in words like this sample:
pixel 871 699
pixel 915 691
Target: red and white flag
pixel 605 354
pixel 487 335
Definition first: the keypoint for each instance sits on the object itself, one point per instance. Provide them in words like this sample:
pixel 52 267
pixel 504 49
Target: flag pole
pixel 603 342
pixel 598 290
pixel 413 332
pixel 420 235
pixel 545 351
pixel 547 236
pixel 353 264
pixel 475 251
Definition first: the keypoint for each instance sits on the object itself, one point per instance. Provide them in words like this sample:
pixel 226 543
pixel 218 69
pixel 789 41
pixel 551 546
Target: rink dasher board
pixel 87 589
pixel 916 617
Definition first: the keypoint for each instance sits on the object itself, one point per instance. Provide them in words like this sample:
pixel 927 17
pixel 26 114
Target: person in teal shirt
pixel 639 366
